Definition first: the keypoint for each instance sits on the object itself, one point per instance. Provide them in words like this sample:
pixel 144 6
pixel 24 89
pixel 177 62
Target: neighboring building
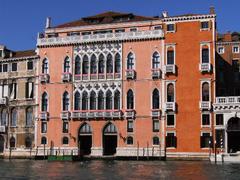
pixel 17 100
pixel 127 85
pixel 227 105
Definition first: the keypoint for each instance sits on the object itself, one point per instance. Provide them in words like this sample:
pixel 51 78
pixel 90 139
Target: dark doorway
pixel 233 130
pixel 85 139
pixel 1 144
pixel 109 139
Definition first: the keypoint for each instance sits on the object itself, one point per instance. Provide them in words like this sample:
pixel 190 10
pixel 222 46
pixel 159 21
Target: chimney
pixel 212 10
pixel 164 14
pixel 48 22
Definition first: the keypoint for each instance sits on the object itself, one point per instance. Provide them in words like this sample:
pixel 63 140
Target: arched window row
pixel 45 66
pixel 66 65
pixel 109 63
pixel 97 100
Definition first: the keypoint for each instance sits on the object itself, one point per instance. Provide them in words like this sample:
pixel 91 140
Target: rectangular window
pixel 119 30
pixel 73 34
pixel 14 66
pixel 170 57
pixel 219 119
pixel 205 140
pixel 220 135
pixel 157 27
pixel 170 27
pixel 205 119
pixel 205 55
pixel 5 67
pixel 86 33
pixel 235 49
pixel 204 25
pixel 170 120
pixel 44 127
pixel 30 65
pixel 65 127
pixel 29 89
pixel 129 125
pixel 1 66
pixel 221 50
pixel 156 125
pixel 133 29
pixel 171 140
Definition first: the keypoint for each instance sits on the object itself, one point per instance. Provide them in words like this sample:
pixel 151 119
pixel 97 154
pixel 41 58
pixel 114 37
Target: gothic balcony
pixel 93 76
pixel 116 114
pixel 156 113
pixel 227 103
pixel 170 69
pixel 43 115
pixel 108 37
pixel 156 73
pixel 117 75
pixel 170 106
pixel 205 67
pixel 44 78
pixel 66 77
pixel 130 113
pixel 109 75
pixel 130 74
pixel 3 101
pixel 96 114
pixel 2 129
pixel 85 77
pixel 205 105
pixel 65 115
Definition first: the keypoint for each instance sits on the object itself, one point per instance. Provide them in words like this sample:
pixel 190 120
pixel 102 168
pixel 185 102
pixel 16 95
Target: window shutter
pixel 210 24
pixel 201 141
pixel 168 141
pixel 175 27
pixel 26 90
pixel 5 90
pixel 30 90
pixel 175 141
pixel 1 91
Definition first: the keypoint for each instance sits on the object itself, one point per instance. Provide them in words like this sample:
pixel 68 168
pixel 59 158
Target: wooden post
pixel 44 150
pixel 147 151
pixel 215 152
pixel 137 150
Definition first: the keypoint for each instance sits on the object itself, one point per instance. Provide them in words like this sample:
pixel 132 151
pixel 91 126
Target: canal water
pixel 132 170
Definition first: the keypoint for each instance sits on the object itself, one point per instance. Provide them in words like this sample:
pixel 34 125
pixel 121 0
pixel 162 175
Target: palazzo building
pixel 127 85
pixel 17 101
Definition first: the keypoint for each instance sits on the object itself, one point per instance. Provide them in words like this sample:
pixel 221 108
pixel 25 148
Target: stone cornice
pixel 18 58
pixel 110 37
pixel 189 18
pixel 228 43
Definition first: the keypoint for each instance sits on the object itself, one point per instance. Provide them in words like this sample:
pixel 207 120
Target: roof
pixel 106 18
pixel 26 53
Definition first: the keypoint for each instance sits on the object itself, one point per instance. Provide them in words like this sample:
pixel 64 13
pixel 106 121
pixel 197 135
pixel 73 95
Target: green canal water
pixel 132 170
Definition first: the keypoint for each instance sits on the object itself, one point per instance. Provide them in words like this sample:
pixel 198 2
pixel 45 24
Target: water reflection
pixel 129 170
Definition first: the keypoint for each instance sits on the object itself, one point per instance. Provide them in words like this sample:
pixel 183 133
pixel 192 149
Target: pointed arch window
pixel 170 56
pixel 170 92
pixel 117 63
pixel 93 69
pixel 155 99
pixel 117 100
pixel 93 105
pixel 4 117
pixel 85 66
pixel 156 60
pixel 205 91
pixel 85 129
pixel 77 65
pixel 66 65
pixel 100 100
pixel 43 140
pixel 84 101
pixel 65 101
pixel 109 63
pixel 101 67
pixel 29 117
pixel 14 117
pixel 156 140
pixel 45 66
pixel 130 99
pixel 44 101
pixel 12 142
pixel 77 100
pixel 109 100
pixel 130 61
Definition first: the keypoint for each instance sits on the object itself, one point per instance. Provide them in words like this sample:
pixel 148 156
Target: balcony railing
pixel 228 100
pixel 205 67
pixel 3 101
pixel 2 129
pixel 65 115
pixel 156 73
pixel 170 68
pixel 43 115
pixel 96 114
pixel 66 77
pixel 93 76
pixel 44 78
pixel 130 113
pixel 170 106
pixel 130 74
pixel 205 105
pixel 156 113
pixel 109 37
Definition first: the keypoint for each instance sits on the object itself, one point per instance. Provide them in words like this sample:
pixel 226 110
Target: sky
pixel 21 20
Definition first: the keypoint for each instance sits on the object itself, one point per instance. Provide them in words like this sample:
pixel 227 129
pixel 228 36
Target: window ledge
pixel 170 148
pixel 170 31
pixel 205 29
